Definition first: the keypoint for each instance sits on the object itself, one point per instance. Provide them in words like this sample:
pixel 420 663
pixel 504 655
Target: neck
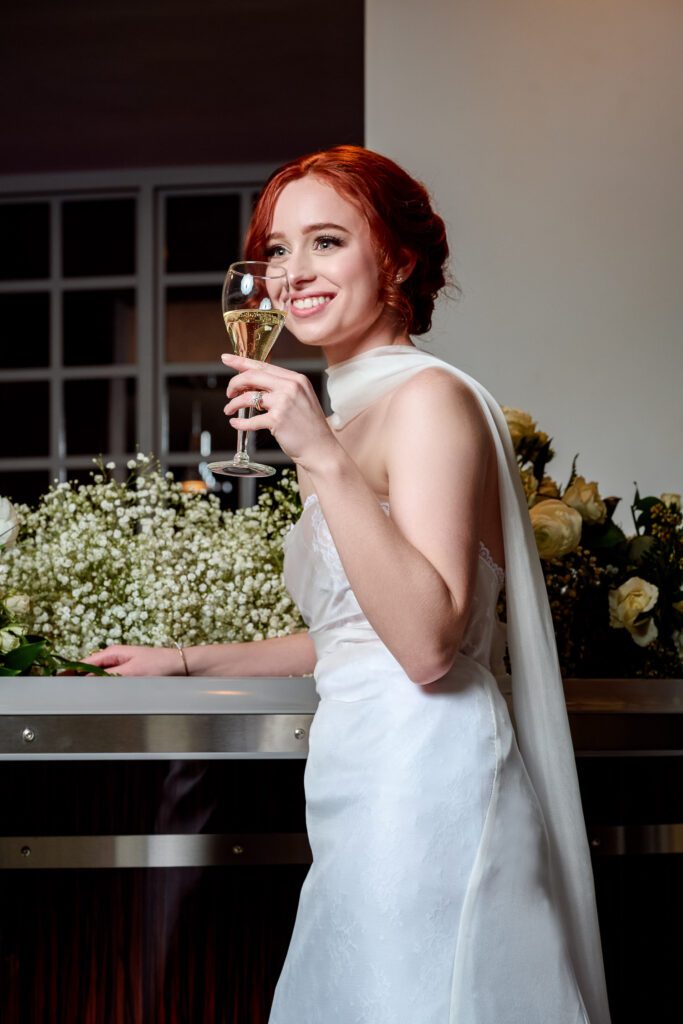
pixel 381 332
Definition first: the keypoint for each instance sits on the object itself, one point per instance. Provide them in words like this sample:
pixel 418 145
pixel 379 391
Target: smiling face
pixel 324 242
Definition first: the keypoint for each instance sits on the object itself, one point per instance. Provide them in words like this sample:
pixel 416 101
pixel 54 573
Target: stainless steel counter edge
pixel 93 718
pixel 172 695
pixel 160 695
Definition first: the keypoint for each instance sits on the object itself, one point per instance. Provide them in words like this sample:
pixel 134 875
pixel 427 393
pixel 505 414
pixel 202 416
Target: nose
pixel 300 268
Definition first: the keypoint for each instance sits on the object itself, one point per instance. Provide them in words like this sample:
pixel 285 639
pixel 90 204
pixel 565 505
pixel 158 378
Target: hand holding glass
pixel 255 297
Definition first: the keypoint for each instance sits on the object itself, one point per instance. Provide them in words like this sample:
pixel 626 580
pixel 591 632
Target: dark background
pixel 106 84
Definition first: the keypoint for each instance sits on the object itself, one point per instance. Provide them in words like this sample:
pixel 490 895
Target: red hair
pixel 403 225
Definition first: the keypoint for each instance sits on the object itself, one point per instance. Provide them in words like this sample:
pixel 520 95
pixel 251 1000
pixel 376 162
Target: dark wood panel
pixel 166 82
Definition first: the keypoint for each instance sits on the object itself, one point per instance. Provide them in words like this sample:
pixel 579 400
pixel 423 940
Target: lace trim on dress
pixel 488 558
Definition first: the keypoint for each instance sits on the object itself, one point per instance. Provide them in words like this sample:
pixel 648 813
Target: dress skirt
pixel 428 900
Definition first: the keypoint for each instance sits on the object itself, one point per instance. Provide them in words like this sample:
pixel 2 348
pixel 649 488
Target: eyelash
pixel 337 242
pixel 271 251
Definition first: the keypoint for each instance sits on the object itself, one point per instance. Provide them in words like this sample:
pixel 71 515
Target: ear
pixel 406 266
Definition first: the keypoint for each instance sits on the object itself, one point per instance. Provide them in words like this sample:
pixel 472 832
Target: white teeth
pixel 311 301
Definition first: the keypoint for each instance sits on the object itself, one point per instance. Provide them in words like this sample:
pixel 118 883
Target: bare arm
pixel 280 656
pixel 414 573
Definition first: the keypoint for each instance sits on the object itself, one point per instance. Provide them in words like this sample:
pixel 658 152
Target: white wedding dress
pixel 431 898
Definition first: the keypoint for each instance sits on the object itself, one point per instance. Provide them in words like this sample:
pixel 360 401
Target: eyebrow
pixel 309 229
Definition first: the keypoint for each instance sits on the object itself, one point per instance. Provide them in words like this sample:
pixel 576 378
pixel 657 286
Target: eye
pixel 275 252
pixel 326 242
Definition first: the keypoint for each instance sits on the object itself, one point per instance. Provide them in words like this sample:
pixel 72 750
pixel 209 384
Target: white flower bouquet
pixel 143 562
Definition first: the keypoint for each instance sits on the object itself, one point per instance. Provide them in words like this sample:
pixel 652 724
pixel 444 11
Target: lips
pixel 309 305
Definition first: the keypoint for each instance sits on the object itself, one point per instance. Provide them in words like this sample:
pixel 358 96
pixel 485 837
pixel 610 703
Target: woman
pixel 451 880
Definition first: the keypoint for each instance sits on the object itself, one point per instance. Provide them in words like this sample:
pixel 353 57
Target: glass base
pixel 231 468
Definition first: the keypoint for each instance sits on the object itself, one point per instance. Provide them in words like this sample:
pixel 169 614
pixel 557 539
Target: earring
pixel 398 279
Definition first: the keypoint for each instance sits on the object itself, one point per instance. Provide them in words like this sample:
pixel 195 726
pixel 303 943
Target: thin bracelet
pixel 182 655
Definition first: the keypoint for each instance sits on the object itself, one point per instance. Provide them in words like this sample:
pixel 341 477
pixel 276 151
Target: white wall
pixel 551 137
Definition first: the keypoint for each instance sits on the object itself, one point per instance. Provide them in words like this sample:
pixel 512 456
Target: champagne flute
pixel 254 303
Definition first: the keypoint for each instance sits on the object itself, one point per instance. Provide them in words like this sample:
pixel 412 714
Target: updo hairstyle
pixel 398 210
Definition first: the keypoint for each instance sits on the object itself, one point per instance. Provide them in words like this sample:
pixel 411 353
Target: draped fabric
pixel 541 722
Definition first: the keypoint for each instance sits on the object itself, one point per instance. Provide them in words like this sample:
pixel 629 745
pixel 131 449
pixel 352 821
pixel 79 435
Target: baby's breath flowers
pixel 142 562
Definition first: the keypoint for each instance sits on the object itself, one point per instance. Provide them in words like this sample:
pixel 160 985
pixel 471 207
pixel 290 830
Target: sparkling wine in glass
pixel 255 298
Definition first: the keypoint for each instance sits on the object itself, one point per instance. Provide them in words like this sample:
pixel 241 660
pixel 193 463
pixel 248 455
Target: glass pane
pixel 98 237
pixel 99 417
pixel 202 233
pixel 24 418
pixel 25 323
pixel 195 414
pixel 195 332
pixel 197 476
pixel 25 234
pixel 24 487
pixel 99 327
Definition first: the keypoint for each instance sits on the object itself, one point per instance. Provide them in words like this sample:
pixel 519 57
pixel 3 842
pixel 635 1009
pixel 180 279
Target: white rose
pixel 557 528
pixel 9 524
pixel 18 604
pixel 628 602
pixel 584 497
pixel 10 637
pixel 671 500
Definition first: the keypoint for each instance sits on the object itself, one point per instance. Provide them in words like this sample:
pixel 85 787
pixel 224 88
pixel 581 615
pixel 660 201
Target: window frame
pixel 149 187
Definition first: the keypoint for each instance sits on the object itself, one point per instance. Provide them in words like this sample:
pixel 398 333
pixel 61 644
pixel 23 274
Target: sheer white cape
pixel 540 713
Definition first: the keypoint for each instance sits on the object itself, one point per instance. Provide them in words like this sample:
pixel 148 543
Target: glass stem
pixel 242 453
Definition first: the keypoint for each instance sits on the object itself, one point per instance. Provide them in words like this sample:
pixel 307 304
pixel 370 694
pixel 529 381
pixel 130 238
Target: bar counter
pixel 91 718
pixel 167 816
pixel 94 717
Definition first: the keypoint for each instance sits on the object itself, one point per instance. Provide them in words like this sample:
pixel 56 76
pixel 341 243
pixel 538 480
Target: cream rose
pixel 584 497
pixel 9 525
pixel 530 485
pixel 628 602
pixel 520 424
pixel 548 488
pixel 557 528
pixel 671 500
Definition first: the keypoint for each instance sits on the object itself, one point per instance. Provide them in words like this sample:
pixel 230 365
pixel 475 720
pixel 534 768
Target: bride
pixel 451 880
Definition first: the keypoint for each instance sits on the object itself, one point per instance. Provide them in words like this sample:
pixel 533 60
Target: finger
pixel 246 401
pixel 242 363
pixel 263 422
pixel 103 659
pixel 127 669
pixel 252 380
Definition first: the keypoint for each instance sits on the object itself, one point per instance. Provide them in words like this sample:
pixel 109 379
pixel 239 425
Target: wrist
pixel 329 462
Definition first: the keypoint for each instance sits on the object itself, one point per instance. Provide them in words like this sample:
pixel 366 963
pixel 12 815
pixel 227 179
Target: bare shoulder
pixel 436 389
